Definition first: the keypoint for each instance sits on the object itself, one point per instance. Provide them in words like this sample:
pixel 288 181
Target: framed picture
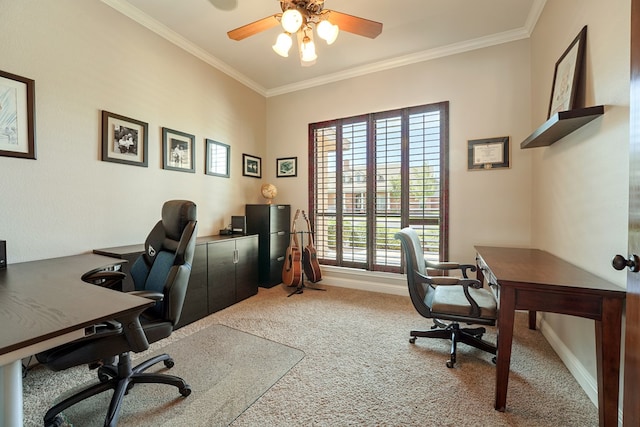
pixel 566 77
pixel 217 161
pixel 178 151
pixel 124 140
pixel 286 167
pixel 489 153
pixel 17 116
pixel 251 166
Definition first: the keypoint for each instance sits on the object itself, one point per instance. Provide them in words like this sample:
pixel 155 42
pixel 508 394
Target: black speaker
pixel 238 224
pixel 3 254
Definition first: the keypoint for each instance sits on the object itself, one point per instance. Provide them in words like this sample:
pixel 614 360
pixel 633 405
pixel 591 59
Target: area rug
pixel 227 370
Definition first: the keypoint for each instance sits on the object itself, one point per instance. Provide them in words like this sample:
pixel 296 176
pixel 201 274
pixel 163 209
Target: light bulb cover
pixel 291 20
pixel 327 31
pixel 308 50
pixel 283 44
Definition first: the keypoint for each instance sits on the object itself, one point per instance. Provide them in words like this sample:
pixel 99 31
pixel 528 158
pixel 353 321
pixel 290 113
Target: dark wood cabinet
pixel 232 271
pixel 271 223
pixel 224 271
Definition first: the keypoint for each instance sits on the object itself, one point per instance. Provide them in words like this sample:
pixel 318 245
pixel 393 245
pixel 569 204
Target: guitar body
pixel 310 257
pixel 292 268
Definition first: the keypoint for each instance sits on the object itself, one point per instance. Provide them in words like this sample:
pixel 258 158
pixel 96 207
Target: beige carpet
pixel 359 368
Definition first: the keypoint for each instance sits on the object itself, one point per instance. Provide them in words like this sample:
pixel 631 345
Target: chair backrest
pixel 420 289
pixel 165 266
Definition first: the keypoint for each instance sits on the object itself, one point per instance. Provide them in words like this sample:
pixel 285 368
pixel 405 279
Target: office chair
pixel 161 274
pixel 445 298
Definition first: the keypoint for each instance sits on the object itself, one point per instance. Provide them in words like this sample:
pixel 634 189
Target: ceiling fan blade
pixel 254 28
pixel 355 25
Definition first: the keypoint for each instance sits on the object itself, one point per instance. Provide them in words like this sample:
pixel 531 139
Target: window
pixel 372 175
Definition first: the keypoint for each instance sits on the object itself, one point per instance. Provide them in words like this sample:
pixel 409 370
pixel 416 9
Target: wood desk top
pixel 45 299
pixel 527 267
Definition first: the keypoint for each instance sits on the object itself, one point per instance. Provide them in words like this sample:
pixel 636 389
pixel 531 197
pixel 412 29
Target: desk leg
pixel 532 320
pixel 11 414
pixel 608 360
pixel 506 315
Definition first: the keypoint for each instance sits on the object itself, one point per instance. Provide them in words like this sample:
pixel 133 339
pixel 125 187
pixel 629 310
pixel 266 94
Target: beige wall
pixel 580 183
pixel 488 91
pixel 86 57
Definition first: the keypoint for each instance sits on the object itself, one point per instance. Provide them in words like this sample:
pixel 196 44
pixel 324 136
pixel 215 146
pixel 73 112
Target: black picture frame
pixel 124 140
pixel 17 116
pixel 286 167
pixel 251 166
pixel 567 75
pixel 217 159
pixel 488 153
pixel 178 151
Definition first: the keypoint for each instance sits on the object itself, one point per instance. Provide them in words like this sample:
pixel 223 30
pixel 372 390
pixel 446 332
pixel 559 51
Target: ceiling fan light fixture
pixel 308 51
pixel 283 44
pixel 327 31
pixel 291 20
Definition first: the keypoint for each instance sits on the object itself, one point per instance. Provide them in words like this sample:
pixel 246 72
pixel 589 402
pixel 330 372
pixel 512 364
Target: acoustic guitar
pixel 310 257
pixel 292 268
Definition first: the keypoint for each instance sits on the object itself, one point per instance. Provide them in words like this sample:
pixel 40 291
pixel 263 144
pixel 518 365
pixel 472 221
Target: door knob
pixel 633 263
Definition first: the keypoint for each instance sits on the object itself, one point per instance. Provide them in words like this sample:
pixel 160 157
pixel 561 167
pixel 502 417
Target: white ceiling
pixel 413 31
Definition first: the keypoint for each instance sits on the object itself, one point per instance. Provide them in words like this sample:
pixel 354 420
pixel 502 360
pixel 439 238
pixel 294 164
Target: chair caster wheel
pixel 450 364
pixel 185 391
pixel 412 340
pixel 494 359
pixel 56 422
pixel 169 363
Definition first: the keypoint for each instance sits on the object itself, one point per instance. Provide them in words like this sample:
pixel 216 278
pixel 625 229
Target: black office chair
pixel 161 274
pixel 445 298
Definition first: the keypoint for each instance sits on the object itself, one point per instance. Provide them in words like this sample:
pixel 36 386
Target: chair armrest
pixel 447 266
pixel 454 281
pixel 156 296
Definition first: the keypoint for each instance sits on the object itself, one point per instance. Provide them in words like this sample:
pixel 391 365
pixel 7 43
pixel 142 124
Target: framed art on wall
pixel 488 153
pixel 286 167
pixel 566 77
pixel 251 166
pixel 17 116
pixel 217 160
pixel 124 140
pixel 178 150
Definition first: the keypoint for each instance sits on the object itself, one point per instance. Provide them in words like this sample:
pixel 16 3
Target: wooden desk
pixel 531 279
pixel 44 304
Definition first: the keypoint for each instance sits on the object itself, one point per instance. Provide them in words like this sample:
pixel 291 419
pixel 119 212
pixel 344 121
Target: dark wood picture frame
pixel 251 166
pixel 488 153
pixel 124 140
pixel 567 76
pixel 178 151
pixel 286 167
pixel 217 161
pixel 17 116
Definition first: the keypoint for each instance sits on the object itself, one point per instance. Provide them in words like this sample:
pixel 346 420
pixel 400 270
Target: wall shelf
pixel 560 125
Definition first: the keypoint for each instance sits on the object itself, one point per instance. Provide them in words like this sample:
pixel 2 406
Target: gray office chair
pixel 161 274
pixel 444 298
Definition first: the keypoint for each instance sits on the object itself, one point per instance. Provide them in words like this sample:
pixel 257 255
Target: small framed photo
pixel 489 153
pixel 178 150
pixel 17 116
pixel 251 166
pixel 286 167
pixel 217 160
pixel 124 140
pixel 566 77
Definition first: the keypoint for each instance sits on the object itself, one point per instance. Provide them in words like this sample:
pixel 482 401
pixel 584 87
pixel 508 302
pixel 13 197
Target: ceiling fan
pixel 297 17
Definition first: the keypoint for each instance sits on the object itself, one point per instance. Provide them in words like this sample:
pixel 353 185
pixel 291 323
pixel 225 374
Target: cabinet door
pixel 247 267
pixel 195 302
pixel 222 275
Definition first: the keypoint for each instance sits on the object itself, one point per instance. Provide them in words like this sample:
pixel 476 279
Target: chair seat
pixel 452 301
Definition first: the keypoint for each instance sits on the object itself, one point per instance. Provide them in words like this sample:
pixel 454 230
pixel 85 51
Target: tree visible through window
pixel 370 176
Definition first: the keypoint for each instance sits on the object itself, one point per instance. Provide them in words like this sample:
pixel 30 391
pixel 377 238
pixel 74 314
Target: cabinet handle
pixel 281 233
pixel 280 206
pixel 280 258
pixel 236 258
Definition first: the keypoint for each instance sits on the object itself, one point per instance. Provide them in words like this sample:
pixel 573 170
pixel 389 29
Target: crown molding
pixel 427 55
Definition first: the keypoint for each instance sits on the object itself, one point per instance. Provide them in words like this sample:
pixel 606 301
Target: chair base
pixel 469 336
pixel 121 378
